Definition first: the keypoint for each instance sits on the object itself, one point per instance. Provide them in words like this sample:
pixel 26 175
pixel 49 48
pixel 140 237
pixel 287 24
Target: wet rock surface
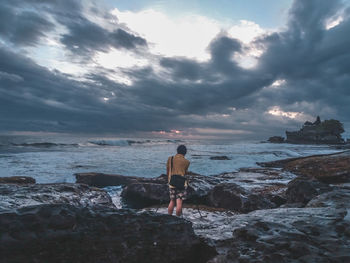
pixel 16 196
pixel 288 235
pixel 302 190
pixel 332 168
pixel 103 180
pixel 233 197
pixel 17 180
pixel 66 233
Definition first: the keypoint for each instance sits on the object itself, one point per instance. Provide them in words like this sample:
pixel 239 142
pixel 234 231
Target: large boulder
pixel 233 197
pixel 140 195
pixel 15 196
pixel 302 190
pixel 103 180
pixel 65 233
pixel 17 180
pixel 276 139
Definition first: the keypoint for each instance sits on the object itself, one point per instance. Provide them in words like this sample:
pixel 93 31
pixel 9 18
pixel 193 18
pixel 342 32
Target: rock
pixel 220 158
pixel 287 235
pixel 326 132
pixel 103 180
pixel 335 199
pixel 333 168
pixel 17 180
pixel 229 196
pixel 65 233
pixel 327 168
pixel 302 190
pixel 276 139
pixel 140 195
pixel 233 197
pixel 15 196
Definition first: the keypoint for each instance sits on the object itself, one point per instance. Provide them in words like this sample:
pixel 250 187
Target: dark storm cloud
pixel 34 98
pixel 24 28
pixel 84 37
pixel 179 93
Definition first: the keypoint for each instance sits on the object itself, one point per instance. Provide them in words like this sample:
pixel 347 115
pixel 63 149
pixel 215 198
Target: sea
pixel 56 158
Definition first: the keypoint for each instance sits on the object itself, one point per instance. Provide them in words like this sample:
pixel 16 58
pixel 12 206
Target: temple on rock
pixel 318 132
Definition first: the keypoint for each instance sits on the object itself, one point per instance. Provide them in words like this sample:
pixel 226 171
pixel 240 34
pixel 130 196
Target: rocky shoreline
pixel 292 210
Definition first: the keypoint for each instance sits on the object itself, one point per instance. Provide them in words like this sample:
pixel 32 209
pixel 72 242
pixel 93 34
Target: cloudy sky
pixel 184 68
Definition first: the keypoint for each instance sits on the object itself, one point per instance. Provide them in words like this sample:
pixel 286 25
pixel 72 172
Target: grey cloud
pixel 23 28
pixel 188 93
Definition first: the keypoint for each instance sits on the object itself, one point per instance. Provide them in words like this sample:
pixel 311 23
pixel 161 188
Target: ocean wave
pixel 42 144
pixel 130 142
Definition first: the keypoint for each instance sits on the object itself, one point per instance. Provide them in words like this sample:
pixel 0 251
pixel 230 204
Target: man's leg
pixel 178 206
pixel 171 206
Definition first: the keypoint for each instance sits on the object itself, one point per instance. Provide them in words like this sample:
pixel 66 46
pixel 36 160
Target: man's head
pixel 181 149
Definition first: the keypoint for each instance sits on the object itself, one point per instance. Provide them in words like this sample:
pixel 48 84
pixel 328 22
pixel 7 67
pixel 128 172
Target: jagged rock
pixel 302 190
pixel 276 139
pixel 220 158
pixel 287 235
pixel 65 233
pixel 17 180
pixel 335 199
pixel 326 132
pixel 15 196
pixel 327 168
pixel 233 197
pixel 140 195
pixel 103 180
pixel 333 168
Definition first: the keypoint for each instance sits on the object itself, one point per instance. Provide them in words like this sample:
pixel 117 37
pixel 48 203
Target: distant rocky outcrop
pixel 276 139
pixel 318 132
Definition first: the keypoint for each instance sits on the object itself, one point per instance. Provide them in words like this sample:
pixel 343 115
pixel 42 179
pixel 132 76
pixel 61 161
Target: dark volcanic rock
pixel 327 168
pixel 276 139
pixel 103 180
pixel 17 180
pixel 220 158
pixel 65 233
pixel 333 168
pixel 15 196
pixel 229 196
pixel 302 190
pixel 233 197
pixel 140 195
pixel 338 198
pixel 288 235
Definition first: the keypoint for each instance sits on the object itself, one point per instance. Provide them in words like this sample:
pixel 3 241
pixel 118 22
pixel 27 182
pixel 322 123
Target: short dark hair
pixel 181 149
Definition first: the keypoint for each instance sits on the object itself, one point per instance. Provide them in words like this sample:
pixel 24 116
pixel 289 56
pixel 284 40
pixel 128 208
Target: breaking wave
pixel 131 142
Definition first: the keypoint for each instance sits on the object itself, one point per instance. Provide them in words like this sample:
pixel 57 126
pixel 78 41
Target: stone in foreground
pixel 65 233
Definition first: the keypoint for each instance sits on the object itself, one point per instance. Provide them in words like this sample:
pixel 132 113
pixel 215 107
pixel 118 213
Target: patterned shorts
pixel 177 194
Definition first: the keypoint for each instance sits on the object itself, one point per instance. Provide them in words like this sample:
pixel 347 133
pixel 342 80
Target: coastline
pixel 308 208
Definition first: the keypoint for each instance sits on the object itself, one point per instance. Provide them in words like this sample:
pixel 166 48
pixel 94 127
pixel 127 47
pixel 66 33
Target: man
pixel 178 166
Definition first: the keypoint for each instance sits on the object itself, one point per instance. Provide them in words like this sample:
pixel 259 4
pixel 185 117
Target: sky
pixel 180 69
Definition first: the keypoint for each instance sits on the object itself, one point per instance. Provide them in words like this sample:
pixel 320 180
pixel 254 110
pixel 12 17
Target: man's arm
pixel 168 168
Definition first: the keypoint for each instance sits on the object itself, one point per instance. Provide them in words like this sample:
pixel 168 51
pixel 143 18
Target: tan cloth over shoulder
pixel 180 164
